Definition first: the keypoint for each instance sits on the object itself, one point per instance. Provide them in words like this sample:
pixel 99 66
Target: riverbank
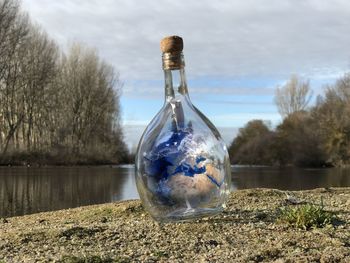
pixel 249 230
pixel 38 159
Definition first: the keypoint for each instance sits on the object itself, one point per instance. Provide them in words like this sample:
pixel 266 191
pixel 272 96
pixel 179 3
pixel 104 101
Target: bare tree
pixel 41 57
pixel 11 78
pixel 91 95
pixel 292 97
pixel 51 102
pixel 9 13
pixel 332 113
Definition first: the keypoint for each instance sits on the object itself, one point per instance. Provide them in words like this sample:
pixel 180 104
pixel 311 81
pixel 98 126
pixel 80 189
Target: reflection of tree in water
pixel 289 178
pixel 30 190
pixel 338 177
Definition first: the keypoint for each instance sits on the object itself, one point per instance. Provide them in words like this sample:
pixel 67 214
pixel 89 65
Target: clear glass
pixel 182 163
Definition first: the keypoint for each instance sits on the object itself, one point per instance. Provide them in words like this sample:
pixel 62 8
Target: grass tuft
pixel 306 216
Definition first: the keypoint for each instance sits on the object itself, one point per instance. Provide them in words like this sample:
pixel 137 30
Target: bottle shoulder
pixel 178 115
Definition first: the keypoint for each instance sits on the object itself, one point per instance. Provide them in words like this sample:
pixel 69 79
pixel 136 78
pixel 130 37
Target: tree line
pixel 55 106
pixel 316 136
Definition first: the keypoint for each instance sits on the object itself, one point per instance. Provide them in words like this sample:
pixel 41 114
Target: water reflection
pixel 289 178
pixel 30 190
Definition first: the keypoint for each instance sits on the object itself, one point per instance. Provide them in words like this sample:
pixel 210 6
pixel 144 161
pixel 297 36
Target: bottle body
pixel 184 173
pixel 182 164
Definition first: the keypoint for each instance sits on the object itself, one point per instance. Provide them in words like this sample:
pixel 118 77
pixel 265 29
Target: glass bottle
pixel 182 164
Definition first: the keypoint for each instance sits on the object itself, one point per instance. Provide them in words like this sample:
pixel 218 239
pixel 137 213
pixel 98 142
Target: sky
pixel 236 52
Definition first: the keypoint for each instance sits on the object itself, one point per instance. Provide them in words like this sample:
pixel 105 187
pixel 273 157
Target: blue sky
pixel 236 51
pixel 216 97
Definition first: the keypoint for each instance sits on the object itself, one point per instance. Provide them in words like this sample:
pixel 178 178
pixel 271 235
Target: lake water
pixel 30 190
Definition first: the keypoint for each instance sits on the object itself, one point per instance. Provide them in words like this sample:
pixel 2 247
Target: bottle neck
pixel 175 78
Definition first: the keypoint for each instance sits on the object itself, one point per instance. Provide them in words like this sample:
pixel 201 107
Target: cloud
pixel 150 91
pixel 240 119
pixel 230 102
pixel 225 38
pixel 233 48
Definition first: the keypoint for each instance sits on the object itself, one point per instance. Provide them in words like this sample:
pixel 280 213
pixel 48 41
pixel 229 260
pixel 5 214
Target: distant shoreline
pixel 36 165
pixel 82 164
pixel 45 159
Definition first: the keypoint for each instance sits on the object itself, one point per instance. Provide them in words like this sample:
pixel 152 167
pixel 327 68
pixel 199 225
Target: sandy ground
pixel 123 232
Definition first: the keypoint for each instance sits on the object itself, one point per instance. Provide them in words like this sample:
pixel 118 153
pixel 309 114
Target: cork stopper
pixel 172 44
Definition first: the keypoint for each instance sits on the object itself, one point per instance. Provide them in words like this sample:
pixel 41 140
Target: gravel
pixel 247 231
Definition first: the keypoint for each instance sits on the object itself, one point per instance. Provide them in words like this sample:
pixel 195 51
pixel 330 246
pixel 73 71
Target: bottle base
pixel 188 214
